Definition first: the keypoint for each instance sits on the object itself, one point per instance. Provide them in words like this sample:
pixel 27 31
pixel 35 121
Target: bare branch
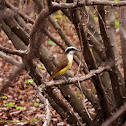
pixel 76 79
pixel 67 5
pixel 122 19
pixel 14 52
pixel 110 57
pixel 90 60
pixel 16 10
pixel 88 3
pixel 17 29
pixel 48 114
pixel 69 114
pixel 115 115
pixel 17 42
pixel 60 31
pixel 9 59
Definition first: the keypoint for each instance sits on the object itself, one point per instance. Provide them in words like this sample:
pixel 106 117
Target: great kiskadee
pixel 65 63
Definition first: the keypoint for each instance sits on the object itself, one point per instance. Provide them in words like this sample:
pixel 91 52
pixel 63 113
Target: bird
pixel 65 63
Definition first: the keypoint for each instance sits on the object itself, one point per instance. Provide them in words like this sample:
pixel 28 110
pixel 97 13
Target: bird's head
pixel 70 50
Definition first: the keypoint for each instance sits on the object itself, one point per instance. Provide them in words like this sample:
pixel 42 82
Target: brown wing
pixel 62 63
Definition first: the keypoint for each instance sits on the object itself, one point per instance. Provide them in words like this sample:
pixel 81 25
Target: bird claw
pixel 66 79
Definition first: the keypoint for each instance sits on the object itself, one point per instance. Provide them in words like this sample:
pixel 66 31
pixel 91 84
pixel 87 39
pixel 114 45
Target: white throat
pixel 71 53
pixel 70 58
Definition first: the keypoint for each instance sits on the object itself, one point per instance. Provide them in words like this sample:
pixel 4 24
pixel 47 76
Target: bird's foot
pixel 66 79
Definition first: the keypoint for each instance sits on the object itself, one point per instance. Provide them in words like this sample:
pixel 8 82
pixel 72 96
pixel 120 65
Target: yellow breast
pixel 70 61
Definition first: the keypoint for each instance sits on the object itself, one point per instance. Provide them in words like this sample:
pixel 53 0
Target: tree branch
pixel 115 115
pixel 14 52
pixel 17 42
pixel 9 59
pixel 71 117
pixel 89 58
pixel 17 29
pixel 76 79
pixel 122 22
pixel 110 57
pixel 16 10
pixel 88 3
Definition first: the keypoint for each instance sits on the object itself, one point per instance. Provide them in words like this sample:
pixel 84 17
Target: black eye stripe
pixel 69 49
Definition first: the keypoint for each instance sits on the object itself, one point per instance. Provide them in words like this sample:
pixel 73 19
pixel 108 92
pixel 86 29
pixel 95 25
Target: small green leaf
pixel 117 24
pixel 29 81
pixel 51 42
pixel 36 104
pixel 3 97
pixel 4 122
pixel 33 121
pixel 42 67
pixel 95 18
pixel 10 104
pixel 19 107
pixel 116 0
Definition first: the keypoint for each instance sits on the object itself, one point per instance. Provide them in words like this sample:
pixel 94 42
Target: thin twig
pixel 9 59
pixel 46 103
pixel 14 52
pixel 84 101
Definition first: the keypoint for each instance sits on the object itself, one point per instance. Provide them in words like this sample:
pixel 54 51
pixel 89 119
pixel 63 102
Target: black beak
pixel 78 50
